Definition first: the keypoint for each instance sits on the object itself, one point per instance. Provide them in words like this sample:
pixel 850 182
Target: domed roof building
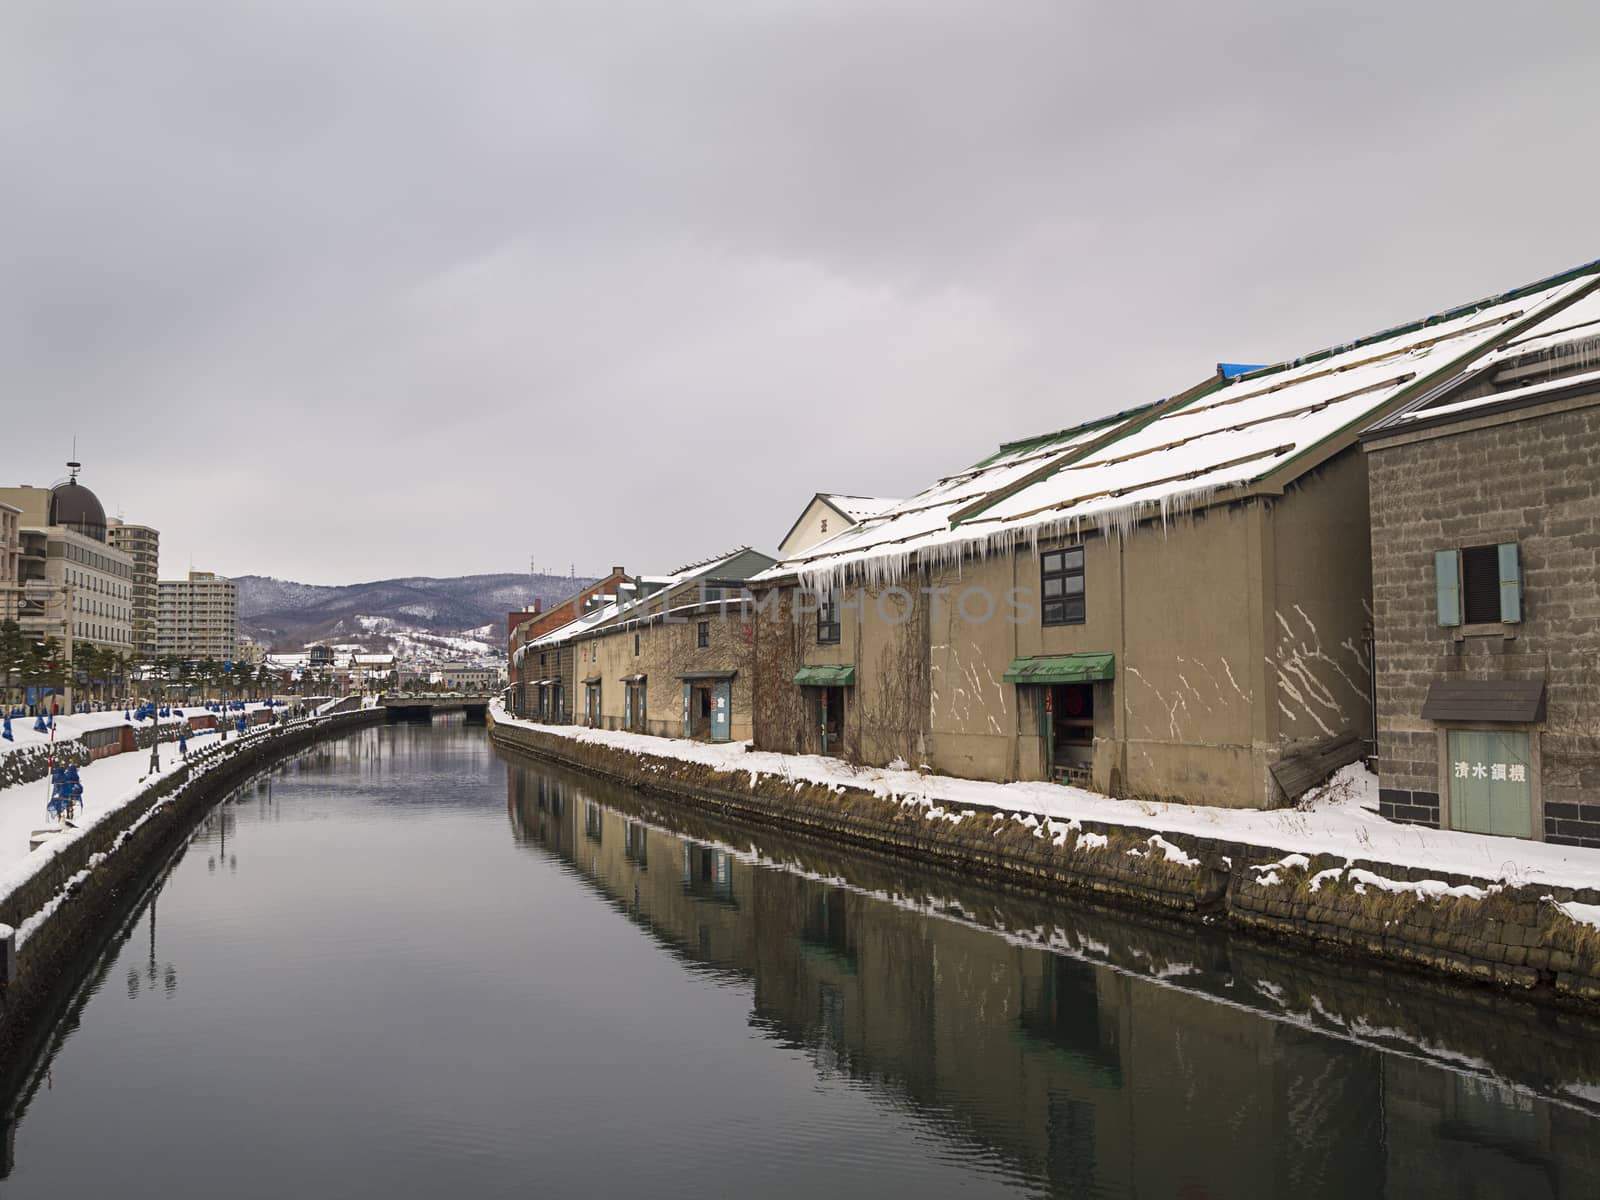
pixel 74 506
pixel 73 583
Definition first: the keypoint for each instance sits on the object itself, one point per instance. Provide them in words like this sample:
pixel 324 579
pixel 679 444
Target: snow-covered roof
pixel 1213 442
pixel 1559 353
pixel 859 508
pixel 616 608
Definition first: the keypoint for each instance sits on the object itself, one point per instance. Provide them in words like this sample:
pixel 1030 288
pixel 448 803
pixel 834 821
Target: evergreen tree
pixel 13 659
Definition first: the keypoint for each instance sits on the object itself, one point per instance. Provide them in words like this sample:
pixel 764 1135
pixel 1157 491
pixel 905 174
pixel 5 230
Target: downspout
pixel 1369 638
pixel 1120 683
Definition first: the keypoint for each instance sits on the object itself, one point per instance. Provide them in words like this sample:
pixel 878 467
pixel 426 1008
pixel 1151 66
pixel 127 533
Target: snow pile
pixel 1582 914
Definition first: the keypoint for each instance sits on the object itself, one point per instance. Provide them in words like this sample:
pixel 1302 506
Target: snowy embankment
pixel 108 785
pixel 72 728
pixel 1341 818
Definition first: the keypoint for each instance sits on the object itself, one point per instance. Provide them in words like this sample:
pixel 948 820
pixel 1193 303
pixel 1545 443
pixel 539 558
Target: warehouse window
pixel 827 622
pixel 1061 586
pixel 1479 585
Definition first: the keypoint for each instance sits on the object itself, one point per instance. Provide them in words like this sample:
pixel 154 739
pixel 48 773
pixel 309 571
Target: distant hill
pixel 285 615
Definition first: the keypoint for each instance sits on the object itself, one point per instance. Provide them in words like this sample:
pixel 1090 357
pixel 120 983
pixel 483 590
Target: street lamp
pixel 155 740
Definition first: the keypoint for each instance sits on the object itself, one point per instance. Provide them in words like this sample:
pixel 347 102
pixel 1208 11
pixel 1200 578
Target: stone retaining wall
pixel 1516 938
pixel 172 805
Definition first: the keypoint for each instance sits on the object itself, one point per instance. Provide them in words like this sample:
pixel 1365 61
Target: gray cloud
pixel 346 290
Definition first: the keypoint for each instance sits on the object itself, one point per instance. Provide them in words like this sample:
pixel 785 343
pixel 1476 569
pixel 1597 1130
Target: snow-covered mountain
pixel 285 615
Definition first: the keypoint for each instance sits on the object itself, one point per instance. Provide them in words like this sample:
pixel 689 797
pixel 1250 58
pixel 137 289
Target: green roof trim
pixel 1062 668
pixel 1039 441
pixel 825 677
pixel 1122 425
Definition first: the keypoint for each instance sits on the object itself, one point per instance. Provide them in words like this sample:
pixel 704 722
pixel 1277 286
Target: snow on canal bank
pixel 108 785
pixel 1339 818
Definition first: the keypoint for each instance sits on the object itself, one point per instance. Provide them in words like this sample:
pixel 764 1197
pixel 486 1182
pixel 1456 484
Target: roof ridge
pixel 1017 444
pixel 1448 314
pixel 712 561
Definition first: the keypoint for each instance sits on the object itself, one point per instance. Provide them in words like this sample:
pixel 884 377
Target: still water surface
pixel 401 965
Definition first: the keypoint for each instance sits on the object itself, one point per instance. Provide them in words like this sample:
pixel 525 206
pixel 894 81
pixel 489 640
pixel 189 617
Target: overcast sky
pixel 336 291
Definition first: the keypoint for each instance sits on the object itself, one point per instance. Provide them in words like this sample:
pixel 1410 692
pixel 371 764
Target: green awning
pixel 825 676
pixel 1062 668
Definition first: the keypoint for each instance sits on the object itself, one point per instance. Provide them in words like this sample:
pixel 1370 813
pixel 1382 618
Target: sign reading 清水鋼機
pixel 1490 782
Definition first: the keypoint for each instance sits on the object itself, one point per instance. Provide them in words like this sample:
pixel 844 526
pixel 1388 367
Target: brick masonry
pixel 1527 477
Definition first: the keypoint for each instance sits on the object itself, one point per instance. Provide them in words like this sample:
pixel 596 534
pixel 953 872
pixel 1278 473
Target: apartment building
pixel 197 618
pixel 10 544
pixel 143 545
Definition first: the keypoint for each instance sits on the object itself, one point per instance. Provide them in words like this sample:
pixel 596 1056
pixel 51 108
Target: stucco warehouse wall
pixel 667 650
pixel 1529 478
pixel 1237 631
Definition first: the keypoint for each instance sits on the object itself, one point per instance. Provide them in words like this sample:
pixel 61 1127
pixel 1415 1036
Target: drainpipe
pixel 1369 641
pixel 1120 682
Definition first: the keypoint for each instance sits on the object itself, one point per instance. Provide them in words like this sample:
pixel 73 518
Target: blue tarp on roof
pixel 1234 370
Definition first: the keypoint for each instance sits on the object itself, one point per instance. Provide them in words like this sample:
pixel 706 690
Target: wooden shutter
pixel 1510 583
pixel 1447 585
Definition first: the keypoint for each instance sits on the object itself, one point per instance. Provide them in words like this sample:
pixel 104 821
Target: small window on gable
pixel 636 645
pixel 702 634
pixel 1061 586
pixel 824 525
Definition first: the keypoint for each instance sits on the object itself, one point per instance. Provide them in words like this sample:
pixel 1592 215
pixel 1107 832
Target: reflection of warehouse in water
pixel 1051 1062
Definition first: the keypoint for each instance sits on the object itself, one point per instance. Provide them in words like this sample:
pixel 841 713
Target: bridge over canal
pixel 401 706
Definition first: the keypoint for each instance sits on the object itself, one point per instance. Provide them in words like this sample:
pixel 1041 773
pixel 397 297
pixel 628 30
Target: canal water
pixel 403 965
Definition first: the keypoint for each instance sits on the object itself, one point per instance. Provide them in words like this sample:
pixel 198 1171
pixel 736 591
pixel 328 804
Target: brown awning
pixel 1518 701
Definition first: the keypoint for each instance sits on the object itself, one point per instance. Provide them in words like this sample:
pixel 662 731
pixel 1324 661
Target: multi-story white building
pixel 10 544
pixel 143 545
pixel 197 618
pixel 464 676
pixel 70 584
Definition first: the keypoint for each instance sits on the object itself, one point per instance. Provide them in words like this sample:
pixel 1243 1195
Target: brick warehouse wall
pixel 1528 477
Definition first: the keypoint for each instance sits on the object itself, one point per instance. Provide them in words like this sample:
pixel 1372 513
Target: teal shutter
pixel 1447 583
pixel 1510 583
